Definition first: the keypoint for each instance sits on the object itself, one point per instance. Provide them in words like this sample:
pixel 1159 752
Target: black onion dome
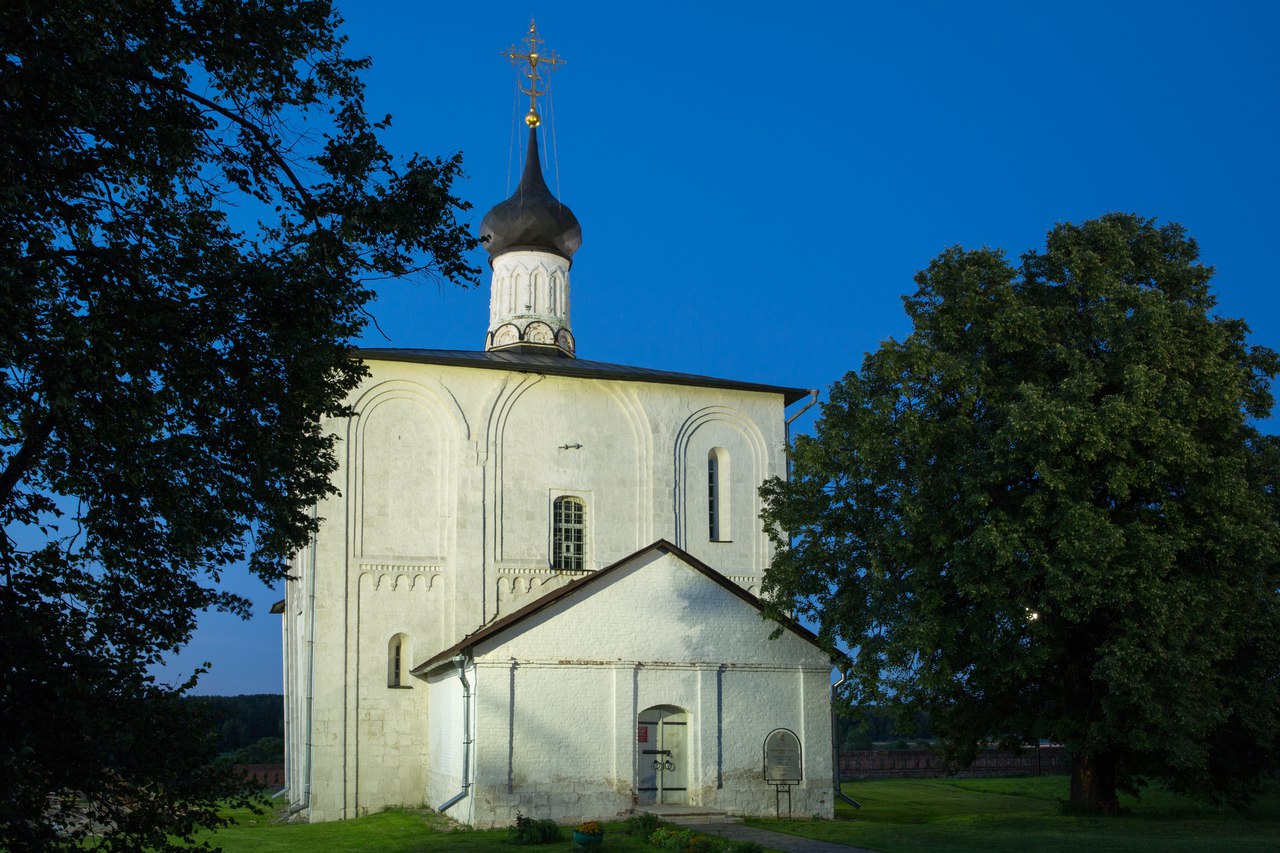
pixel 532 219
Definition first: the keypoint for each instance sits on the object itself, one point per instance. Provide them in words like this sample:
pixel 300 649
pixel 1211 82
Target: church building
pixel 535 590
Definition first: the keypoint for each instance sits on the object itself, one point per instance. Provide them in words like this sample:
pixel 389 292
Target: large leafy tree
pixel 1048 512
pixel 192 202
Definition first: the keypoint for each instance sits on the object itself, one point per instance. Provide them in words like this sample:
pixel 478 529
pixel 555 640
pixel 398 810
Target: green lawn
pixel 897 816
pixel 395 831
pixel 1021 814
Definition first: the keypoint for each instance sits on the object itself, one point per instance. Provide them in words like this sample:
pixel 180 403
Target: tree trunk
pixel 1093 783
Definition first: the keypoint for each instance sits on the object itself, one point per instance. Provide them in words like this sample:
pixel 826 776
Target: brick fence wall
pixel 266 775
pixel 923 763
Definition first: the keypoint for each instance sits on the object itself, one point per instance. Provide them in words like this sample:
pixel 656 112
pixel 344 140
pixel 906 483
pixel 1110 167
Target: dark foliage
pixel 1049 513
pixel 642 824
pixel 862 728
pixel 245 719
pixel 164 368
pixel 527 830
pixel 267 750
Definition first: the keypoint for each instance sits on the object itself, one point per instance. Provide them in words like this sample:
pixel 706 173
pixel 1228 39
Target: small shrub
pixel 590 827
pixel 526 830
pixel 685 841
pixel 702 844
pixel 670 838
pixel 642 824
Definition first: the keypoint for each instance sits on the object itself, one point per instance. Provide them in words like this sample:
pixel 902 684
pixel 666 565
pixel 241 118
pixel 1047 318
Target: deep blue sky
pixel 758 183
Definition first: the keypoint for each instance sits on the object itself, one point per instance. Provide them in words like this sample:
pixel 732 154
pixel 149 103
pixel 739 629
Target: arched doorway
pixel 662 741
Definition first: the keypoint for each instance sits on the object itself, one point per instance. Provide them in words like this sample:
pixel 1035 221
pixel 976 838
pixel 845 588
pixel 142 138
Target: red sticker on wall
pixel 642 734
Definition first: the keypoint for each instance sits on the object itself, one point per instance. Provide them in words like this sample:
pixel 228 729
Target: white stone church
pixel 535 590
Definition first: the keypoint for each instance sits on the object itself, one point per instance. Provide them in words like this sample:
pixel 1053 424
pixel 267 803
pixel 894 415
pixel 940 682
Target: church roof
pixel 533 218
pixel 524 362
pixel 662 546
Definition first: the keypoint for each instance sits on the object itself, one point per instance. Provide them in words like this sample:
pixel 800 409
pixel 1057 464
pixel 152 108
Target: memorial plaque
pixel 782 757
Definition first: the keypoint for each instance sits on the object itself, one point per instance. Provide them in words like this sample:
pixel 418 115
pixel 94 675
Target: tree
pixel 192 204
pixel 1048 513
pixel 266 750
pixel 242 720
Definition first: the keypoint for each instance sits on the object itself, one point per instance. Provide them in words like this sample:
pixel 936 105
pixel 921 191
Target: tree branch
pixel 261 135
pixel 21 461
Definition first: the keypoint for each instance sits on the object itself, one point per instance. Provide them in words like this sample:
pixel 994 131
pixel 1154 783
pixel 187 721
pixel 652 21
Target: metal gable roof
pixel 560 366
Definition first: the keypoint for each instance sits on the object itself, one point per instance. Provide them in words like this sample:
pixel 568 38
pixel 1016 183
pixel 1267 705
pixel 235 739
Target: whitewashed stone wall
pixel 558 698
pixel 444 742
pixel 442 524
pixel 529 301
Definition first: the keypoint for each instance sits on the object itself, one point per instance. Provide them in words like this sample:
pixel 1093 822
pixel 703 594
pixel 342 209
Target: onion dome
pixel 532 219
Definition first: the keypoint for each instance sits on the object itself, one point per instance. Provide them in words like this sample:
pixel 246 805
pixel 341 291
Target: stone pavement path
pixel 733 828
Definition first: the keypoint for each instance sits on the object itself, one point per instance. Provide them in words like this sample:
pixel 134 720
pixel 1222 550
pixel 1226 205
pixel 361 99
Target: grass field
pixel 395 831
pixel 897 816
pixel 1023 814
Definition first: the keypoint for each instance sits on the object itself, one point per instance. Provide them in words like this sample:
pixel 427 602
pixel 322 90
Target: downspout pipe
pixel 305 803
pixel 461 663
pixel 835 746
pixel 813 398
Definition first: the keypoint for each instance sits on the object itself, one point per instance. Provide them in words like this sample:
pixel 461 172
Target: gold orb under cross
pixel 536 62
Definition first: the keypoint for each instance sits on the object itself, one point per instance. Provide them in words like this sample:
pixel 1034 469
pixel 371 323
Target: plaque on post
pixel 783 765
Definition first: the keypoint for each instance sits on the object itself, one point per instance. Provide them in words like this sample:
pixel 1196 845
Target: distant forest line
pixel 250 727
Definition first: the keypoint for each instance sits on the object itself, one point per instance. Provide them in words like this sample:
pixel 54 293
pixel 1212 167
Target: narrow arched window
pixel 536 283
pixel 568 534
pixel 713 496
pixel 717 495
pixel 398 661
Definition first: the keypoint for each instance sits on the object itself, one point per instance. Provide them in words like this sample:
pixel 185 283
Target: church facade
pixel 535 590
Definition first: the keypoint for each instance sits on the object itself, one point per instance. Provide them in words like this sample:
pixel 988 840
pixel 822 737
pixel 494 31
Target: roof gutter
pixel 813 398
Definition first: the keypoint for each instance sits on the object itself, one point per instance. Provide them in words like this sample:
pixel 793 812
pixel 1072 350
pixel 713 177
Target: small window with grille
pixel 568 534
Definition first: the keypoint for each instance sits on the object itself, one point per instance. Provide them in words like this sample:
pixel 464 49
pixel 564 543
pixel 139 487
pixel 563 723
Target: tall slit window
pixel 713 495
pixel 397 661
pixel 717 495
pixel 568 534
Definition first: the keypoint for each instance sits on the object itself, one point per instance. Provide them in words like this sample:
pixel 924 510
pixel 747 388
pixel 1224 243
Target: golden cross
pixel 551 62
